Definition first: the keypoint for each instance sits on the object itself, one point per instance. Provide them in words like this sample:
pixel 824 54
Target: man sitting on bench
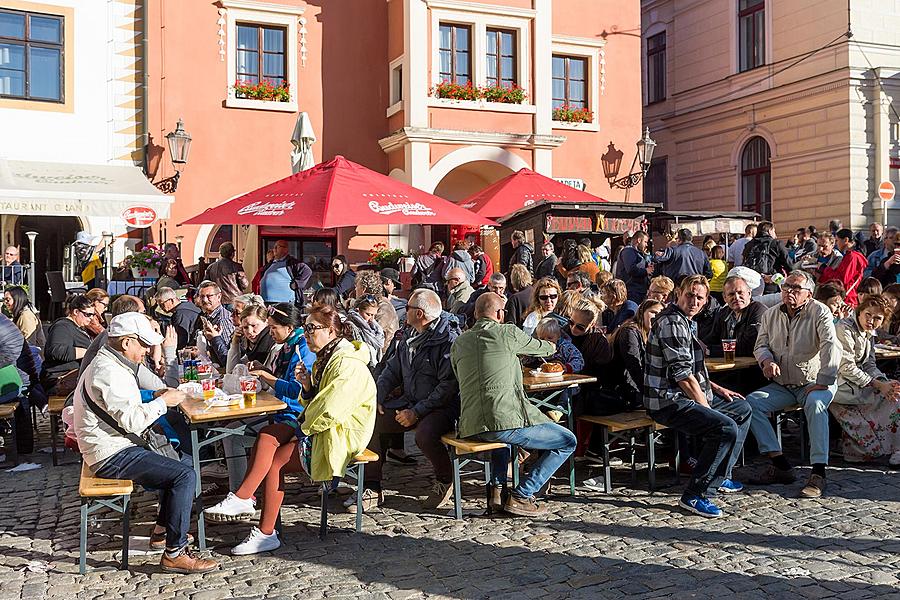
pixel 110 421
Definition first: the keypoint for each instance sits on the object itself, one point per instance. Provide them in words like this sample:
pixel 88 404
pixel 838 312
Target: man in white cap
pixel 110 422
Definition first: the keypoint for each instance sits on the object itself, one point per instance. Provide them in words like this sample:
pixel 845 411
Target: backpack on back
pixel 760 259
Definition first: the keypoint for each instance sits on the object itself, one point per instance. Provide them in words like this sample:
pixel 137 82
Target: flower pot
pixel 140 273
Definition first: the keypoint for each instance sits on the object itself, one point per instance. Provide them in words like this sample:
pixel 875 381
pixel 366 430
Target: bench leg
pixel 360 478
pixel 457 485
pixel 632 445
pixel 801 421
pixel 82 548
pixel 651 458
pixel 201 518
pixel 571 456
pixel 487 486
pixel 126 522
pixel 14 444
pixel 677 459
pixel 607 471
pixel 323 518
pixel 54 431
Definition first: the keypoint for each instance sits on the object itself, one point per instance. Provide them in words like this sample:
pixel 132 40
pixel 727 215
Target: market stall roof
pixel 522 189
pixel 698 215
pixel 57 189
pixel 338 193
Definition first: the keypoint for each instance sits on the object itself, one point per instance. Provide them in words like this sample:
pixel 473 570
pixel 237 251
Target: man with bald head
pixel 458 288
pixel 493 406
pixel 12 269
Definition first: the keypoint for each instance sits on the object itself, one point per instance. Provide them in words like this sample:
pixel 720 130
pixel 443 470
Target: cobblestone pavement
pixel 630 543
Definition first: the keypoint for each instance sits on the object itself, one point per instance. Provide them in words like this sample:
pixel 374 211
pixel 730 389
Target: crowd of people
pixel 358 365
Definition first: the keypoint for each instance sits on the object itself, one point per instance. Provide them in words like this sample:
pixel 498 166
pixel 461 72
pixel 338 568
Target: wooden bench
pixel 357 470
pixel 97 493
pixel 622 427
pixel 460 447
pixel 8 413
pixel 55 405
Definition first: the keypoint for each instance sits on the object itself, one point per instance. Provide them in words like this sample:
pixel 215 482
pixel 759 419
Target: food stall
pixel 557 221
pixel 729 225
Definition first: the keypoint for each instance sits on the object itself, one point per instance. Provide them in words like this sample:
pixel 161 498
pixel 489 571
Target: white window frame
pixel 481 18
pixel 581 48
pixel 262 13
pixel 395 91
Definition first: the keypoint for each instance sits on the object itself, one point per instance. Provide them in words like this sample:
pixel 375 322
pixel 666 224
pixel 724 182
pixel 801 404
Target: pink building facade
pixel 367 72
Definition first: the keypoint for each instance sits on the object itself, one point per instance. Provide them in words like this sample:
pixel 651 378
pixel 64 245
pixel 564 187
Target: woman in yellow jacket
pixel 338 420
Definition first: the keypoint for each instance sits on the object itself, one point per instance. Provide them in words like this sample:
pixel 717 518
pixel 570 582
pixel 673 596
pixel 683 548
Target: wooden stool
pixel 8 413
pixel 357 470
pixel 95 494
pixel 615 427
pixel 459 447
pixel 55 405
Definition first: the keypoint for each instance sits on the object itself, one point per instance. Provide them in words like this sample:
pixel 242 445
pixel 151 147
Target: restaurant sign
pixel 569 224
pixel 139 217
pixel 596 223
pixel 619 224
pixel 578 184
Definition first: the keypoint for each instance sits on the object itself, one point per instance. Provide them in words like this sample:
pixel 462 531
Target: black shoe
pixel 402 459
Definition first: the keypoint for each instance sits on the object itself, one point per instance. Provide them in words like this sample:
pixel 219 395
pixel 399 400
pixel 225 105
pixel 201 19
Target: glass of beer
pixel 249 385
pixel 728 348
pixel 208 383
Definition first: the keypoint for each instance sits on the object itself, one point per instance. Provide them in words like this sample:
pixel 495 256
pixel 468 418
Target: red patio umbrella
pixel 522 188
pixel 338 193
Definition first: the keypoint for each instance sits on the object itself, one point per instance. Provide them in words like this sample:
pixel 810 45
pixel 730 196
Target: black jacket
pixel 546 268
pixel 776 255
pixel 427 380
pixel 631 267
pixel 517 304
pixel 345 284
pixel 186 321
pixel 745 330
pixel 59 355
pixel 595 350
pixel 626 371
pixel 704 318
pixel 522 256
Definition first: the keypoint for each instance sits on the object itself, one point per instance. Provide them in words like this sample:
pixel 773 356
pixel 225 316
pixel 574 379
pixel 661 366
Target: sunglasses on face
pixel 579 327
pixel 87 314
pixel 312 327
pixel 548 297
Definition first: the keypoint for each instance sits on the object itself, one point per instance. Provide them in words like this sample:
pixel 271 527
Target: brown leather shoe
pixel 814 488
pixel 158 540
pixel 770 475
pixel 524 507
pixel 187 563
pixel 496 502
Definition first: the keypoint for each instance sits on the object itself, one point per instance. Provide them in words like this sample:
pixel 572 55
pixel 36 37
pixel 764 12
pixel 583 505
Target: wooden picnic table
pixel 886 352
pixel 717 365
pixel 225 421
pixel 539 384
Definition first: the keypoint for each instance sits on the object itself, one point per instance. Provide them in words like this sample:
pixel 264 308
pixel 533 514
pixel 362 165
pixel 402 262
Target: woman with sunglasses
pixel 67 342
pixel 100 301
pixel 543 304
pixel 339 396
pixel 344 276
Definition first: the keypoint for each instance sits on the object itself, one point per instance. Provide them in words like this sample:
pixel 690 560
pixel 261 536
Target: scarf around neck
pixel 322 358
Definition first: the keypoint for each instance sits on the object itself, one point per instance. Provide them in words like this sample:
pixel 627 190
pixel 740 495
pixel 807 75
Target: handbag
pixel 150 440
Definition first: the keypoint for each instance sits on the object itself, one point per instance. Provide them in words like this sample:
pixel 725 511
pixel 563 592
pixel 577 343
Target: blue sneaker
pixel 700 506
pixel 730 486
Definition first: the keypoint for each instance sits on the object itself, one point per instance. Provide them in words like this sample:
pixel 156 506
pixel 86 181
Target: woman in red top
pixel 851 268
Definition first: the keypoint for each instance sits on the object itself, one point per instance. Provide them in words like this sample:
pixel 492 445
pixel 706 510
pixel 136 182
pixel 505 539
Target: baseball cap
pixel 392 274
pixel 133 323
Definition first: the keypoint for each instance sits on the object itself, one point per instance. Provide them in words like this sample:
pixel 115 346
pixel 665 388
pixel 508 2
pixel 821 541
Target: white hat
pixel 754 280
pixel 133 323
pixel 83 237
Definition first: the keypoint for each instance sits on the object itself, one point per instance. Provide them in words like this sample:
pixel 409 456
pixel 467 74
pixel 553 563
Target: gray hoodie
pixel 463 260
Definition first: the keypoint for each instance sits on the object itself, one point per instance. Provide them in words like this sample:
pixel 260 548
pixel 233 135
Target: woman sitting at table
pixel 625 375
pixel 866 402
pixel 24 315
pixel 100 301
pixel 544 299
pixel 277 374
pixel 252 341
pixel 67 342
pixel 339 396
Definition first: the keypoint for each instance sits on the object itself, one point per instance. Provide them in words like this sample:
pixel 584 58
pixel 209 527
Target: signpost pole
pixel 886 193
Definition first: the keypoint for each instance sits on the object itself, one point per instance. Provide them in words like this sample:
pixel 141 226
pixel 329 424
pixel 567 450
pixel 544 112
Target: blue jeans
pixel 557 441
pixel 174 479
pixel 722 428
pixel 778 397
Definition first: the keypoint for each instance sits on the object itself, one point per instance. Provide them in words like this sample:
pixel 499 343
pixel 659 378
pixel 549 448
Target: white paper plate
pixel 538 374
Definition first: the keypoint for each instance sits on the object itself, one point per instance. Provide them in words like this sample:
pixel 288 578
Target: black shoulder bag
pixel 149 440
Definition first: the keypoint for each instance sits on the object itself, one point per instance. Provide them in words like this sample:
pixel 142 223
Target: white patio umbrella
pixel 302 139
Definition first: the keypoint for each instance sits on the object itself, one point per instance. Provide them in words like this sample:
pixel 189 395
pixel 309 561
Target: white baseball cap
pixel 134 323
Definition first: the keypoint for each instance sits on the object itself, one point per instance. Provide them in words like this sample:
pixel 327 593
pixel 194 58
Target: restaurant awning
pixel 78 190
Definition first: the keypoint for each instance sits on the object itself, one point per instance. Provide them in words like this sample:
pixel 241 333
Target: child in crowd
pixel 549 330
pixel 720 272
pixel 869 287
pixel 832 295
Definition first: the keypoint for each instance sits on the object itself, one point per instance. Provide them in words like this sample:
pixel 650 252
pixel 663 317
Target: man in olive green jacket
pixel 493 406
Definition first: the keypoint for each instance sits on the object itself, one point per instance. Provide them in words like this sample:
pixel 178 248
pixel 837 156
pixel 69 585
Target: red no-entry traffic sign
pixel 886 191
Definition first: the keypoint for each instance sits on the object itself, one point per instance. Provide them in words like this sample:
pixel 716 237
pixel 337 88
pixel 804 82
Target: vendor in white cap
pixel 110 420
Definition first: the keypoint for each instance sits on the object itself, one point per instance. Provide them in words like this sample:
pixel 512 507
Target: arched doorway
pixel 756 178
pixel 54 234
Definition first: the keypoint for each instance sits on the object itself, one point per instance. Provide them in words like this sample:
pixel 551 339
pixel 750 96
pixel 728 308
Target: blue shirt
pixel 276 283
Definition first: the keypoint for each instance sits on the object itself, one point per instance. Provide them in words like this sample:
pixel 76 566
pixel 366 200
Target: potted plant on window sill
pixel 264 90
pixel 567 114
pixel 490 93
pixel 147 262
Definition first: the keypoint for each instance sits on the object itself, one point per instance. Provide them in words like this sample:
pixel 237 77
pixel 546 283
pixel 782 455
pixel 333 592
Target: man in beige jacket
pixel 797 348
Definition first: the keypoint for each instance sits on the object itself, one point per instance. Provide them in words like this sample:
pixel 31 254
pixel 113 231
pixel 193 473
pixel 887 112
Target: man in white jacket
pixel 108 416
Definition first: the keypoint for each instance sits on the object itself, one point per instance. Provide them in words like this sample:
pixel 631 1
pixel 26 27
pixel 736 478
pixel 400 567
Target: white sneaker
pixel 215 470
pixel 257 542
pixel 370 501
pixel 594 483
pixel 231 508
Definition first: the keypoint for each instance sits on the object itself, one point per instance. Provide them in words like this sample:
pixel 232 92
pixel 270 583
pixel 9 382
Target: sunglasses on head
pixel 272 310
pixel 548 296
pixel 369 298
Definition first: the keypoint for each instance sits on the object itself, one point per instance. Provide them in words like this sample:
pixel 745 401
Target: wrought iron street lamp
pixel 179 142
pixel 612 162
